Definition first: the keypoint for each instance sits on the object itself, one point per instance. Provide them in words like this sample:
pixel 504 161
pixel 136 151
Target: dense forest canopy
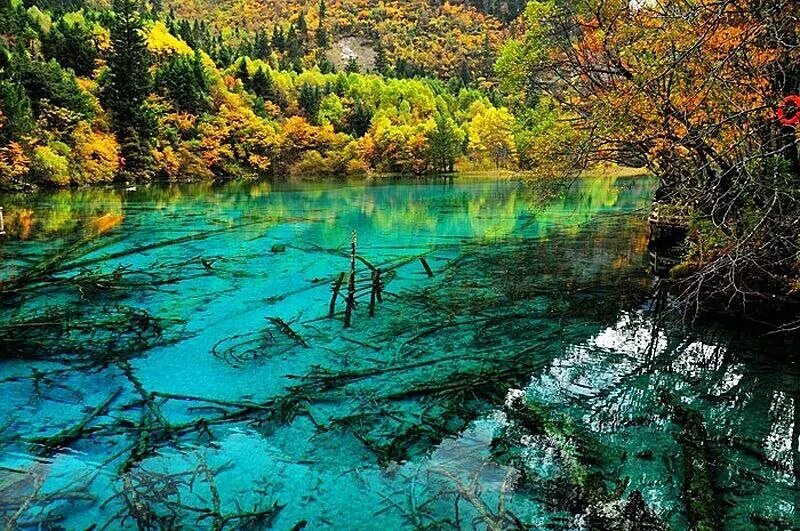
pixel 414 37
pixel 91 92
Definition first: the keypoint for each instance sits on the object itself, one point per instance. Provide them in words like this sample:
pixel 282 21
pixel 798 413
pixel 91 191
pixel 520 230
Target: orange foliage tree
pixel 689 89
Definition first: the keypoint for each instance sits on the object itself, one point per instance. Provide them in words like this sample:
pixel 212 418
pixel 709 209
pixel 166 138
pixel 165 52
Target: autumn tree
pixel 95 155
pixel 332 112
pixel 491 133
pixel 14 166
pixel 689 89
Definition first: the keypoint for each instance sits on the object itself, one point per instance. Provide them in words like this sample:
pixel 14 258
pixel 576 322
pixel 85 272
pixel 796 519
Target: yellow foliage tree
pixel 162 43
pixel 48 166
pixel 491 134
pixel 95 155
pixel 236 134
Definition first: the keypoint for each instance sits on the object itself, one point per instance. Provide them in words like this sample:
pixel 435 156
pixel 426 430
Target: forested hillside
pixel 414 37
pixel 92 93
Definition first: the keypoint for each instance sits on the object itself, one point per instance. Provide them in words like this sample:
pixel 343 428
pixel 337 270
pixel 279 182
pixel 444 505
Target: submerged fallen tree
pixel 166 500
pixel 87 336
pixel 580 489
pixel 72 303
pixel 703 509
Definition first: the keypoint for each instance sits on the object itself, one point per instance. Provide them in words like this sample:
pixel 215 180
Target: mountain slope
pixel 417 37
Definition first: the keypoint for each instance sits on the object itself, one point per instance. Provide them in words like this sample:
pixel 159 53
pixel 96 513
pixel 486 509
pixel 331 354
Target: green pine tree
pixel 264 86
pixel 302 26
pixel 323 39
pixel 127 86
pixel 72 45
pixel 381 61
pixel 185 81
pixel 16 118
pixel 278 39
pixel 243 73
pixel 444 143
pixel 309 98
pixel 352 66
pixel 359 119
pixel 294 48
pixel 261 45
pixel 325 65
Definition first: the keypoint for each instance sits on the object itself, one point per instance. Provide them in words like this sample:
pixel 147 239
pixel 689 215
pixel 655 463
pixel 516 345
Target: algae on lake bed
pixel 525 385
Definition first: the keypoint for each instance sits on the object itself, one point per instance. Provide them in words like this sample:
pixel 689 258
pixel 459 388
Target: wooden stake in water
pixel 378 285
pixel 375 293
pixel 351 285
pixel 337 286
pixel 2 223
pixel 425 265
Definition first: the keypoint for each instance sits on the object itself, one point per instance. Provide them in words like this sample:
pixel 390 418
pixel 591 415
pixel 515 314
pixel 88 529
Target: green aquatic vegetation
pixel 83 335
pixel 702 506
pixel 582 488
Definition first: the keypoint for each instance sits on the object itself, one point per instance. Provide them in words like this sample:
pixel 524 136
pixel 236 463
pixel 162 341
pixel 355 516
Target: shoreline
pixel 344 180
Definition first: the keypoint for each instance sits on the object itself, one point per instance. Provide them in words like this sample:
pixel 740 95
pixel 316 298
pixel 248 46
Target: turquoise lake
pixel 168 360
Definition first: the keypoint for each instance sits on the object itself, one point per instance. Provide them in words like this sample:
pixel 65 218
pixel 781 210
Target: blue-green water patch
pixel 169 361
